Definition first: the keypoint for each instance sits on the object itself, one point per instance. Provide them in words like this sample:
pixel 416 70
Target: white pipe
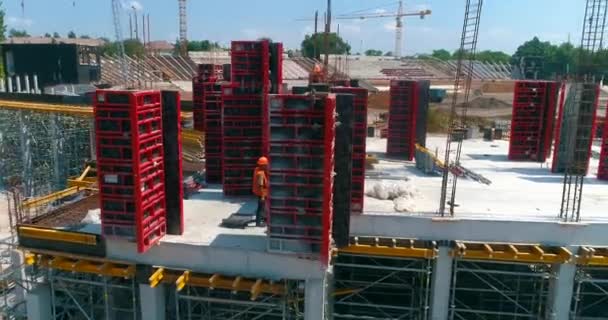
pixel 36 89
pixel 18 82
pixel 10 84
pixel 2 83
pixel 27 84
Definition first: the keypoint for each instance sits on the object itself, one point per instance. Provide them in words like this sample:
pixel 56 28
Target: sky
pixel 505 24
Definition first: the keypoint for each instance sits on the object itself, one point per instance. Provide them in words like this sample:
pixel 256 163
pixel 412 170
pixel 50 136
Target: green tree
pixel 13 33
pixel 313 46
pixel 132 48
pixel 373 53
pixel 56 35
pixel 493 56
pixel 388 54
pixel 85 36
pixel 204 45
pixel 72 35
pixel 441 54
pixel 47 35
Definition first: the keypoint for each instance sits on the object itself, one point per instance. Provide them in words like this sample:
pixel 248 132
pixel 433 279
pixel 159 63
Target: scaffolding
pixel 590 293
pixel 39 150
pixel 381 286
pixel 484 290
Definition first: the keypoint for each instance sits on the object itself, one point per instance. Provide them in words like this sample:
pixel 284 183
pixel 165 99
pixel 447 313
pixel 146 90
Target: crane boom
pixel 421 13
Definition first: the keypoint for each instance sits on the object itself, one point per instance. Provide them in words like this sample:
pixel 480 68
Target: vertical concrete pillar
pixel 440 286
pixel 9 82
pixel 315 304
pixel 152 302
pixel 17 263
pixel 36 89
pixel 27 83
pixel 561 290
pixel 18 83
pixel 38 303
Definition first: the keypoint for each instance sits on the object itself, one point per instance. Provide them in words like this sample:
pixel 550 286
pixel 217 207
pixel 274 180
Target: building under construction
pixel 121 205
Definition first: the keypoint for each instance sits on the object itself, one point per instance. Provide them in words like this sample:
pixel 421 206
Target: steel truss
pixel 381 287
pixel 203 303
pixel 89 296
pixel 41 149
pixel 591 294
pixel 498 290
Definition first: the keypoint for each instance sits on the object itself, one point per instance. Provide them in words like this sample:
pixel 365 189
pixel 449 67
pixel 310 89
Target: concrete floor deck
pixel 520 191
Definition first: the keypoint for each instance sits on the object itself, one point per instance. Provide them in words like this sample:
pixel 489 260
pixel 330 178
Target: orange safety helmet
pixel 262 161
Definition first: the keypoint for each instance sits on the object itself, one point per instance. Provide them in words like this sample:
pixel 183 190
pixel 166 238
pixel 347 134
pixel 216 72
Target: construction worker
pixel 260 188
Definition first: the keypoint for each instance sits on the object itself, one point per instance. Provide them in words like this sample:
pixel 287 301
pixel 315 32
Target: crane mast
pixel 399 31
pixel 124 67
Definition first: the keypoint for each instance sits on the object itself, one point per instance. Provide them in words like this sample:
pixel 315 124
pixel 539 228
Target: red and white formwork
pixel 603 166
pixel 359 138
pixel 403 114
pixel 301 135
pixel 130 165
pixel 533 120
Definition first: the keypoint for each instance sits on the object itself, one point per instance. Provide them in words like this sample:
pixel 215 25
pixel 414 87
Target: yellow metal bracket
pixel 592 256
pixel 78 264
pixel 56 235
pixel 529 253
pixel 391 247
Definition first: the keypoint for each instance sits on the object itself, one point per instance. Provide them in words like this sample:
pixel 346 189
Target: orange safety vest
pixel 260 182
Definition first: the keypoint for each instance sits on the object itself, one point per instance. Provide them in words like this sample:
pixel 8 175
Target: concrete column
pixel 18 83
pixel 442 278
pixel 38 303
pixel 17 262
pixel 315 304
pixel 27 83
pixel 561 291
pixel 152 302
pixel 9 82
pixel 36 89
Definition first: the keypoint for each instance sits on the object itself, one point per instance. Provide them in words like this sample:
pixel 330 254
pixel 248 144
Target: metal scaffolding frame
pixel 381 287
pixel 206 303
pixel 41 150
pixel 590 294
pixel 483 290
pixel 76 295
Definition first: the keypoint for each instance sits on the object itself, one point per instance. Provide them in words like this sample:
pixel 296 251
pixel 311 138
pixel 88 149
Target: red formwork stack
pixel 130 165
pixel 534 106
pixel 242 105
pixel 212 102
pixel 206 72
pixel 359 138
pixel 403 113
pixel 603 167
pixel 301 134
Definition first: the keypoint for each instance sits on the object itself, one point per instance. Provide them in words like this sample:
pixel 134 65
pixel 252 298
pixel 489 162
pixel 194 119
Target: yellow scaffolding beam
pixel 56 235
pixel 593 256
pixel 408 248
pixel 529 253
pixel 76 110
pixel 215 281
pixel 79 264
pixel 49 198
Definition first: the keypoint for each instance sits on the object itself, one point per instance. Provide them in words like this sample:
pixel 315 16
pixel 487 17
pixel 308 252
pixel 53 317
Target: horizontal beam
pixel 92 266
pixel 215 281
pixel 406 248
pixel 56 235
pixel 50 198
pixel 528 253
pixel 592 256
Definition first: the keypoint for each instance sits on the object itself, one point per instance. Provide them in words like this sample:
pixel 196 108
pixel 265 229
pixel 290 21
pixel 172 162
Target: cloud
pixel 129 5
pixel 349 28
pixel 19 22
pixel 389 26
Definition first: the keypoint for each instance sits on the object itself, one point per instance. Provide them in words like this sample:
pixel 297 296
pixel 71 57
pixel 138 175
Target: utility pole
pixel 327 31
pixel 135 20
pixel 148 18
pixel 316 21
pixel 143 28
pixel 130 27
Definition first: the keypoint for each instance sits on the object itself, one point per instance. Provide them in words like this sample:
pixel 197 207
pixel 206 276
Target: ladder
pixel 462 85
pixel 581 123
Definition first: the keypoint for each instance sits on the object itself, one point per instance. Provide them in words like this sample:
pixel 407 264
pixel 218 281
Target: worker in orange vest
pixel 260 188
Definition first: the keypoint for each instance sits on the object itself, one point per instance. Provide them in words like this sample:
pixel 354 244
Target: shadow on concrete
pixel 491 157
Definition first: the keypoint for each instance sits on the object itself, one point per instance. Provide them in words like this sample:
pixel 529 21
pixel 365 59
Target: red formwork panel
pixel 250 66
pixel 130 162
pixel 301 173
pixel 359 142
pixel 603 165
pixel 560 119
pixel 532 123
pixel 212 101
pixel 403 110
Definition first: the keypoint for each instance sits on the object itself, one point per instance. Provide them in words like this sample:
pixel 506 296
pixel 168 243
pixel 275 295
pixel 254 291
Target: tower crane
pixel 399 15
pixel 118 34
